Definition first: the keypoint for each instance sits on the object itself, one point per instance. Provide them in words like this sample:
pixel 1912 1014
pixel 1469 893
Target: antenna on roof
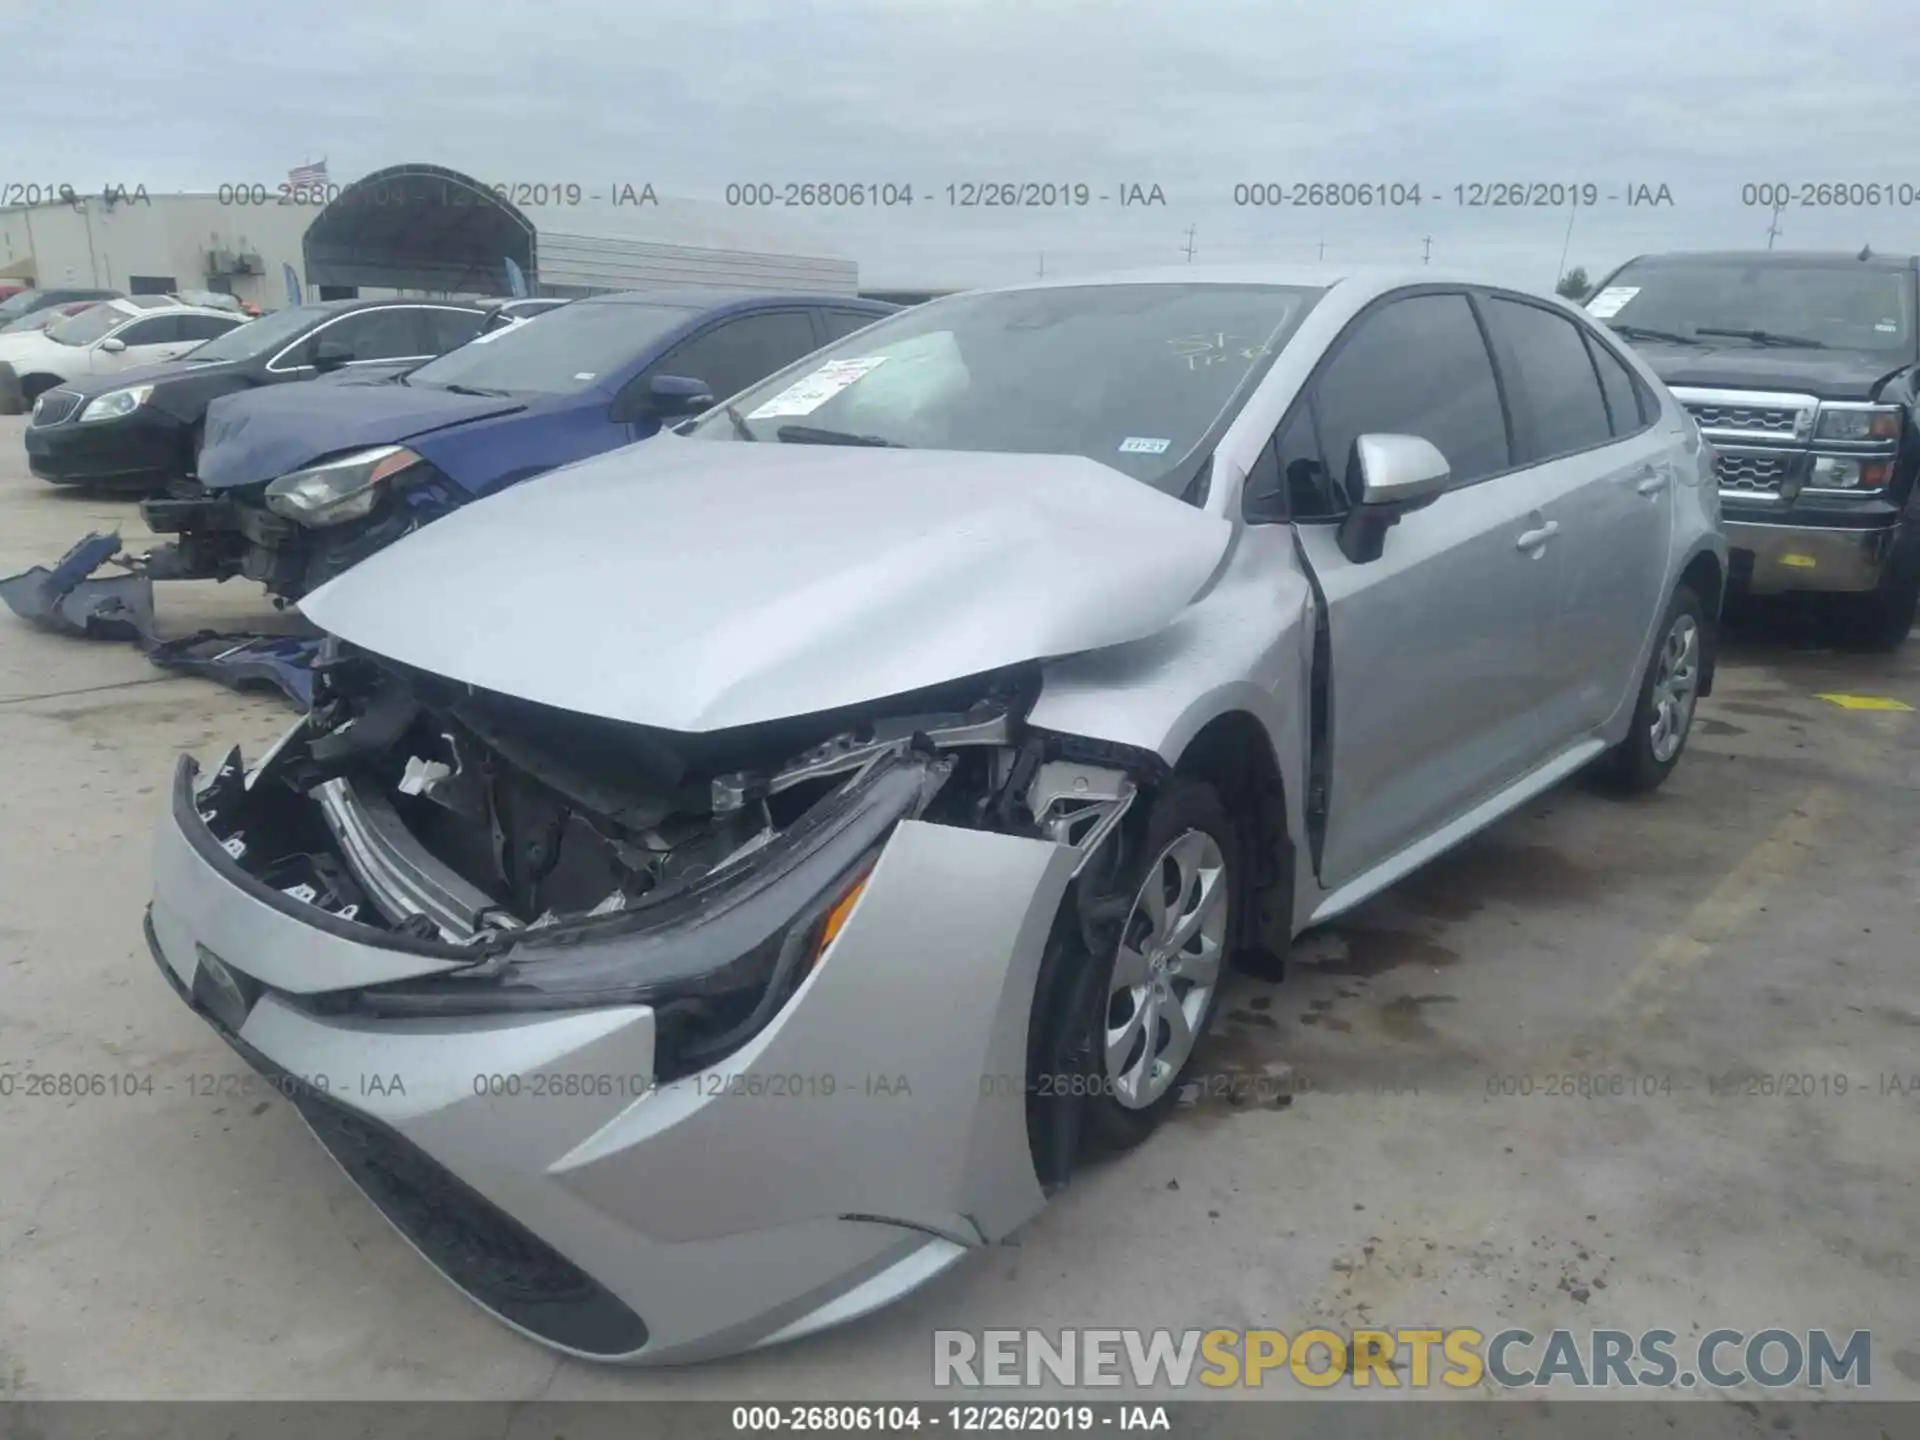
pixel 1866 253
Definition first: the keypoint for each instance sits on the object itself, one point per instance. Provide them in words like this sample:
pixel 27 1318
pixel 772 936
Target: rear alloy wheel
pixel 1163 979
pixel 1669 693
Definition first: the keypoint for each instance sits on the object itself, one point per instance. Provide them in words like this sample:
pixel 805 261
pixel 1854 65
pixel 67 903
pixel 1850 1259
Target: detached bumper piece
pixel 67 599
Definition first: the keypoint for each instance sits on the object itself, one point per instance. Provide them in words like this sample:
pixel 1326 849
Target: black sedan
pixel 142 428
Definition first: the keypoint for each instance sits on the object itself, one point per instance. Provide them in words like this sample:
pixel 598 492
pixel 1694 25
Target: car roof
pixel 1309 276
pixel 133 306
pixel 1824 259
pixel 342 307
pixel 709 299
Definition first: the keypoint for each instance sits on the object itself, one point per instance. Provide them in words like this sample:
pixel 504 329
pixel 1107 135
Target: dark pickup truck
pixel 1803 372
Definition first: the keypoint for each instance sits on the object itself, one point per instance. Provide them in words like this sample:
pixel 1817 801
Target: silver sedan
pixel 728 881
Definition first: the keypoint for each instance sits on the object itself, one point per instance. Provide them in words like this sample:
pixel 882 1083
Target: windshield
pixel 1134 376
pixel 1839 307
pixel 89 325
pixel 38 320
pixel 572 348
pixel 260 337
pixel 15 306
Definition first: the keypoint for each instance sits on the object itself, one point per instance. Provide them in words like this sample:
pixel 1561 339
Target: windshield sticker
pixel 1142 445
pixel 807 395
pixel 1611 301
pixel 1200 351
pixel 585 374
pixel 1886 327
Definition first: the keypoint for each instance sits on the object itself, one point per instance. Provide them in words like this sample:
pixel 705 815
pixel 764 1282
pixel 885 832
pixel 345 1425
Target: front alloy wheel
pixel 1154 996
pixel 1167 969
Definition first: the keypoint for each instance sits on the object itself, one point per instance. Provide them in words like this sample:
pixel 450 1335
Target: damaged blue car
pixel 296 484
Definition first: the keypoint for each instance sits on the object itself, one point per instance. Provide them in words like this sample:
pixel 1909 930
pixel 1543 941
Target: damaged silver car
pixel 726 882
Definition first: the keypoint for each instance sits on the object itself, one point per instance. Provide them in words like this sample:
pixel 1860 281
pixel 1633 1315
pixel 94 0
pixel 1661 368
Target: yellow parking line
pixel 1866 702
pixel 1663 970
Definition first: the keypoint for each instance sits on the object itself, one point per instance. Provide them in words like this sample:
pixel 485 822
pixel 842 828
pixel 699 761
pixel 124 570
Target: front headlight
pixel 340 490
pixel 1859 422
pixel 1837 472
pixel 116 404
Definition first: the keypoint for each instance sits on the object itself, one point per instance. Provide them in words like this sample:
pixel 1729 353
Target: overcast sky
pixel 1701 97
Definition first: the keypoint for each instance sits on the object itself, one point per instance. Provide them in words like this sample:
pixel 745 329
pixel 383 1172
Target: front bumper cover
pixel 149 447
pixel 864 1141
pixel 1771 559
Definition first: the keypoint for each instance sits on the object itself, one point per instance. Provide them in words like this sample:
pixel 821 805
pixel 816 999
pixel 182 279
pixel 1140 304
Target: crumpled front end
pixel 658 1046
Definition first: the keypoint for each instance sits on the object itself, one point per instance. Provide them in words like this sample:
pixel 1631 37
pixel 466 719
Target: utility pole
pixel 1190 230
pixel 1567 243
pixel 1043 262
pixel 1773 226
pixel 1426 249
pixel 1323 249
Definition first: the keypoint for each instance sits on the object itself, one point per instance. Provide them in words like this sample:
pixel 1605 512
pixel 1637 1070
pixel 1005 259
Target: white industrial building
pixel 154 244
pixel 412 229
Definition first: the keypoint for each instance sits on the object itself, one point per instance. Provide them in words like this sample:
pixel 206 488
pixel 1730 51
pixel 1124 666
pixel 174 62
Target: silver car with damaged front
pixel 727 882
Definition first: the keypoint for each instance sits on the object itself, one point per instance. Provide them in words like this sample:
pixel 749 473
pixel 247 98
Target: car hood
pixel 262 434
pixel 92 385
pixel 18 350
pixel 698 585
pixel 1829 374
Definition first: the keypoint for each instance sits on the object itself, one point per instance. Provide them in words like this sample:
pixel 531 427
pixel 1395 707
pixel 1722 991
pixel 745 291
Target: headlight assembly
pixel 1859 422
pixel 716 963
pixel 116 404
pixel 339 490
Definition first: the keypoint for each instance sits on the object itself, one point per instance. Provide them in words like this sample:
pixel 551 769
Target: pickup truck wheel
pixel 1159 985
pixel 1669 693
pixel 1880 619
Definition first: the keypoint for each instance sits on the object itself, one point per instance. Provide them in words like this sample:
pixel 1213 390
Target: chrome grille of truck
pixel 1758 474
pixel 1751 420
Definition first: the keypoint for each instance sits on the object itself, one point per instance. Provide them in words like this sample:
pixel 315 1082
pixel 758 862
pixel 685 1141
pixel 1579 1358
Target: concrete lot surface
pixel 1752 922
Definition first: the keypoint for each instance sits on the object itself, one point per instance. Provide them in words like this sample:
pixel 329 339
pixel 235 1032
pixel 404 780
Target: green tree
pixel 1574 285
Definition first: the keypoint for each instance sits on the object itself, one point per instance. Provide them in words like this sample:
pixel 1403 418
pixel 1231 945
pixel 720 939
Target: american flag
pixel 308 174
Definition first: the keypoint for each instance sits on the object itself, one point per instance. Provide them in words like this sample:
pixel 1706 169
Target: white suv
pixel 110 337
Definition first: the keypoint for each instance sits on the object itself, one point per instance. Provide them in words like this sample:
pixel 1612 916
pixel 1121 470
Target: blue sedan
pixel 296 484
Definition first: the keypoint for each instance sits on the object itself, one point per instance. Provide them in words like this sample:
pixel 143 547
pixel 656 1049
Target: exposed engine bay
pixel 441 812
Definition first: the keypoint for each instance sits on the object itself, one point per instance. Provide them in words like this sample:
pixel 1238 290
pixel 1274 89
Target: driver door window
pixel 376 335
pixel 738 352
pixel 148 341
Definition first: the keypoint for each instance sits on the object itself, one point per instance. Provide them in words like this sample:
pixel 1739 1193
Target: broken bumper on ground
pixel 859 1144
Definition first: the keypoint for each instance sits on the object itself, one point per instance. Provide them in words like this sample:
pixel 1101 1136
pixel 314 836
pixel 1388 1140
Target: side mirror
pixel 330 355
pixel 1388 476
pixel 664 397
pixel 113 345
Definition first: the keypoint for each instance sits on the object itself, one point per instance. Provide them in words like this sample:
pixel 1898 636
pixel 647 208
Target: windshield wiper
pixel 1767 337
pixel 475 390
pixel 739 423
pixel 1641 332
pixel 813 435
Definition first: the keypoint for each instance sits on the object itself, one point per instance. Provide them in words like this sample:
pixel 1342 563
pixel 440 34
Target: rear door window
pixel 1545 356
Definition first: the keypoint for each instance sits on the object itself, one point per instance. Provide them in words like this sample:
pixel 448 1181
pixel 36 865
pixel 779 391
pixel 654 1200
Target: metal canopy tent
pixel 427 228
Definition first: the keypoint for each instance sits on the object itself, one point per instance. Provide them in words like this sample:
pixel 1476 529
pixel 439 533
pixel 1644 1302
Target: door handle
pixel 1651 482
pixel 1534 539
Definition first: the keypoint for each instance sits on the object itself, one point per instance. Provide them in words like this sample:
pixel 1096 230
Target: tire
pixel 1880 620
pixel 1670 688
pixel 1188 847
